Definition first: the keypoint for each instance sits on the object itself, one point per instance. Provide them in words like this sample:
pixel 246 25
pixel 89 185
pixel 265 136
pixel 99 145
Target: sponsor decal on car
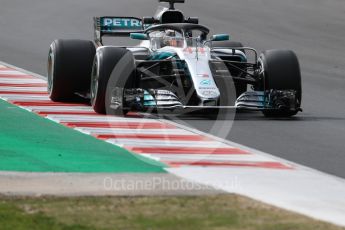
pixel 191 50
pixel 188 50
pixel 202 50
pixel 122 23
pixel 205 82
pixel 207 88
pixel 209 93
pixel 204 75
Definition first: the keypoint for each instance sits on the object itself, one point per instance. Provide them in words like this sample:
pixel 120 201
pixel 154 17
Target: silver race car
pixel 177 66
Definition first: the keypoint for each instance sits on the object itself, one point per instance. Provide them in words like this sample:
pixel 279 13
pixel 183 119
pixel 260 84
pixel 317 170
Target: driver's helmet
pixel 173 38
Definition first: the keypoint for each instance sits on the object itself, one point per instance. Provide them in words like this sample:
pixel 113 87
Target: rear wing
pixel 116 27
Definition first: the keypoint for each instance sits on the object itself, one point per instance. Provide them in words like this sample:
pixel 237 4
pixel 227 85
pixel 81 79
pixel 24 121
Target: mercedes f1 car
pixel 177 66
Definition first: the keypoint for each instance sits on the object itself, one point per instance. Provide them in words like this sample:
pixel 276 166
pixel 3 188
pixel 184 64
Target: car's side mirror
pixel 139 36
pixel 220 37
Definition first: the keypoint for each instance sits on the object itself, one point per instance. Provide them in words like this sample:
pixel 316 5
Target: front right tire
pixel 281 71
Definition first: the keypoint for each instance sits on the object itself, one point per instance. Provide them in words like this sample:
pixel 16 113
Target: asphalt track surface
pixel 314 29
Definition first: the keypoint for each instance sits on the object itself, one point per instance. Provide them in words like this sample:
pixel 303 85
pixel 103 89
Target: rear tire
pixel 113 68
pixel 240 87
pixel 69 69
pixel 281 72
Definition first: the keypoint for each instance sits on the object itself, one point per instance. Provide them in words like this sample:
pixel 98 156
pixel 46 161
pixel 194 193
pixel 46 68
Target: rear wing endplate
pixel 116 26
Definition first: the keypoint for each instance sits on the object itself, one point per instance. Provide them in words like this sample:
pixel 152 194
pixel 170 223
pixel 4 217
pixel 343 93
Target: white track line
pixel 59 108
pixel 86 118
pixel 99 131
pixel 23 89
pixel 213 157
pixel 11 72
pixel 25 97
pixel 22 81
pixel 166 143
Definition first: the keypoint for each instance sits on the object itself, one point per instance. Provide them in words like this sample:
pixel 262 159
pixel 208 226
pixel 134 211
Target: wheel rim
pixel 94 83
pixel 51 62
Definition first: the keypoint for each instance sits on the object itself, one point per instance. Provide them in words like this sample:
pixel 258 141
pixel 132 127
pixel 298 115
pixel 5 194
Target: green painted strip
pixel 31 143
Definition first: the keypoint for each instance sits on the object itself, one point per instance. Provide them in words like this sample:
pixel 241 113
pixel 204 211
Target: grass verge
pixel 204 212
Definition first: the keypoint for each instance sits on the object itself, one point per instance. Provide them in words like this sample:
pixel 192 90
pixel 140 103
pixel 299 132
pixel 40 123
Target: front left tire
pixel 113 72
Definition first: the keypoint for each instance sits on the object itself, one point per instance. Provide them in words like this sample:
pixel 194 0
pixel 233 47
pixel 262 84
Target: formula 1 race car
pixel 176 67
